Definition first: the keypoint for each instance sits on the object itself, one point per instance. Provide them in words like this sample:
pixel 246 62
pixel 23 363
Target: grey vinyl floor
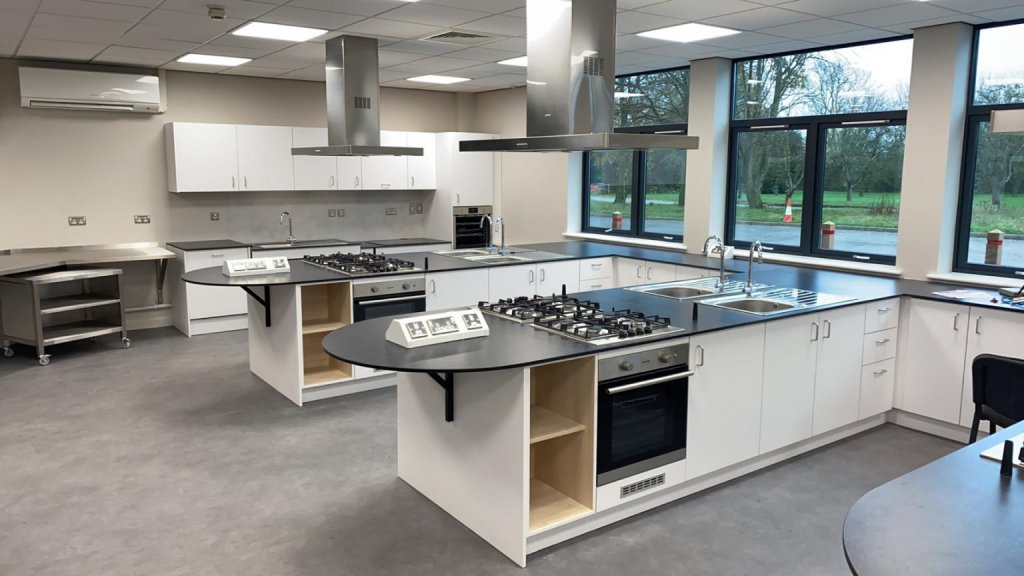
pixel 171 459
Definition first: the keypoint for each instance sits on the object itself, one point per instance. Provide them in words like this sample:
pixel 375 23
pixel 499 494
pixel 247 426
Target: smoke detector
pixel 216 12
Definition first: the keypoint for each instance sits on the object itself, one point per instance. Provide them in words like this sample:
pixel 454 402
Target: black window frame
pixel 639 183
pixel 814 167
pixel 976 114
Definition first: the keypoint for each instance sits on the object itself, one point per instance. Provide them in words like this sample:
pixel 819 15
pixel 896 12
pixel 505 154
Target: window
pixel 637 193
pixel 817 151
pixel 992 190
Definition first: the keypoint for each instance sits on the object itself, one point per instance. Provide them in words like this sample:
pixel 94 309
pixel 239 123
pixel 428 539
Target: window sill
pixel 640 242
pixel 829 264
pixel 974 279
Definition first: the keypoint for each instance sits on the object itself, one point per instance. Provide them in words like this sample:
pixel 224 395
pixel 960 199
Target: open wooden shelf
pixel 548 506
pixel 325 308
pixel 321 327
pixel 325 376
pixel 546 424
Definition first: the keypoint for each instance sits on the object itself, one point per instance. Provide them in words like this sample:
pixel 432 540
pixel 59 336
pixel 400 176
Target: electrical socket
pixel 412 207
pixel 419 207
pixel 391 211
pixel 332 213
pixel 76 220
pixel 341 212
pixel 215 216
pixel 142 219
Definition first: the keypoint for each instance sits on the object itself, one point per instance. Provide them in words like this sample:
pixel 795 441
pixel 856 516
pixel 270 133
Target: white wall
pixel 109 167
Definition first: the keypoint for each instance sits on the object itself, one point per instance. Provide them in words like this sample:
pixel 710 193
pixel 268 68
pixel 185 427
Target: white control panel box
pixel 437 328
pixel 256 266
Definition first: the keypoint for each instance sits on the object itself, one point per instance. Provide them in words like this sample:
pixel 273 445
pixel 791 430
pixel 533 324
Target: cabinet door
pixel 512 281
pixel 387 172
pixel 265 158
pixel 213 301
pixel 837 380
pixel 790 362
pixel 876 387
pixel 932 367
pixel 724 416
pixel 991 332
pixel 552 275
pixel 350 172
pixel 313 172
pixel 471 174
pixel 423 169
pixel 655 273
pixel 595 268
pixel 201 157
pixel 454 289
pixel 629 272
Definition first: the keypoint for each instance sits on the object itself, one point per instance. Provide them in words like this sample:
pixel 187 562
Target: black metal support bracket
pixel 447 381
pixel 264 300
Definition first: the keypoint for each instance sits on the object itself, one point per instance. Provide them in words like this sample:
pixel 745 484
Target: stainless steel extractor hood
pixel 353 100
pixel 570 85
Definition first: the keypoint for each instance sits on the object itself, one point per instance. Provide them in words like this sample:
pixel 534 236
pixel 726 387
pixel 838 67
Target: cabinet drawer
pixel 197 259
pixel 879 346
pixel 876 387
pixel 597 284
pixel 881 315
pixel 596 268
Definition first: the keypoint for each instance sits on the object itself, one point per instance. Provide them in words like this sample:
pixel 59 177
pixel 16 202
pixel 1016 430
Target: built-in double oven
pixel 641 410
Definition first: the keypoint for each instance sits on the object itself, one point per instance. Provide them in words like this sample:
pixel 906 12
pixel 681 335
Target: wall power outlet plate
pixel 76 220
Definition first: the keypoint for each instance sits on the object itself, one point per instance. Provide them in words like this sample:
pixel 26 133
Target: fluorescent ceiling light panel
pixel 278 32
pixel 691 32
pixel 211 60
pixel 433 79
pixel 520 61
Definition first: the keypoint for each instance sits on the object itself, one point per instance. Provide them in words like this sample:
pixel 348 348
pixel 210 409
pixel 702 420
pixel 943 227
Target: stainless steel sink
pixel 482 256
pixel 463 252
pixel 496 259
pixel 302 244
pixel 679 292
pixel 696 288
pixel 777 301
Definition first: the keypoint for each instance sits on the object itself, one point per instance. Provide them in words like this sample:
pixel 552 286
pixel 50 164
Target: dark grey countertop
pixel 955 516
pixel 207 245
pixel 400 242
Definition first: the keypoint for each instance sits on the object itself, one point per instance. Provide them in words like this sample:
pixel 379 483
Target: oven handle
pixel 386 300
pixel 646 383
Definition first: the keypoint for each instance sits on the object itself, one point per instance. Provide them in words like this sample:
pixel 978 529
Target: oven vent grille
pixel 645 484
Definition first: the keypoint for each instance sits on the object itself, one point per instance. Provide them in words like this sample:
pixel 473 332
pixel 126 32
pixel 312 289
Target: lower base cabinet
pixel 456 288
pixel 990 332
pixel 790 365
pixel 724 416
pixel 932 365
pixel 838 376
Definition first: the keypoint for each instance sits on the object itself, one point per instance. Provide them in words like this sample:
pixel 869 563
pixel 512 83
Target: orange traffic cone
pixel 789 211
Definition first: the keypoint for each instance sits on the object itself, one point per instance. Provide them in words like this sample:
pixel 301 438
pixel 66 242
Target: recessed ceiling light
pixel 691 32
pixel 212 60
pixel 628 95
pixel 432 79
pixel 520 61
pixel 278 32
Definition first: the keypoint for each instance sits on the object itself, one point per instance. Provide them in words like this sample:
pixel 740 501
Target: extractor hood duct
pixel 571 84
pixel 353 100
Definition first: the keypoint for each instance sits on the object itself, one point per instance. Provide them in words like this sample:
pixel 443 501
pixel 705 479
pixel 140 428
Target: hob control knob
pixel 626 366
pixel 373 289
pixel 665 357
pixel 405 286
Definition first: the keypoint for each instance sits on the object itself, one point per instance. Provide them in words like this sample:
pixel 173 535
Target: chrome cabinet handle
pixel 596 266
pixel 216 255
pixel 233 184
pixel 882 342
pixel 357 181
pixel 385 186
pixel 433 286
pixel 881 372
pixel 458 198
pixel 245 182
pixel 331 182
pixel 533 276
pixel 638 269
pixel 649 270
pixel 885 310
pixel 828 329
pixel 814 331
pixel 977 325
pixel 412 180
pixel 956 322
pixel 542 274
pixel 596 286
pixel 700 355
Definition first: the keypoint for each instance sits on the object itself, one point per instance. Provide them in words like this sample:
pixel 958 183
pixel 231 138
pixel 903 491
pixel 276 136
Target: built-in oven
pixel 641 410
pixel 380 298
pixel 468 231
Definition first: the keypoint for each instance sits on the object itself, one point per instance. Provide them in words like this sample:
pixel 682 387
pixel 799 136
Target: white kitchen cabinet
pixel 594 268
pixel 551 276
pixel 790 365
pixel 690 273
pixel 597 284
pixel 991 331
pixel 457 288
pixel 884 315
pixel 350 172
pixel 464 178
pixel 422 169
pixel 206 309
pixel 724 415
pixel 877 381
pixel 511 281
pixel 313 172
pixel 658 272
pixel 387 172
pixel 201 157
pixel 931 367
pixel 265 158
pixel 629 272
pixel 837 380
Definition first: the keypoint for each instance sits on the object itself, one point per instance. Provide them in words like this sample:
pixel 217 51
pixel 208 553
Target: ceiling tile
pixel 518 13
pixel 194 67
pixel 265 45
pixel 250 70
pixel 135 56
pixel 483 54
pixel 21 5
pixel 143 3
pixel 837 7
pixel 501 80
pixel 517 45
pixel 75 29
pixel 7 50
pixel 311 18
pixel 1004 14
pixel 393 57
pixel 390 75
pixel 313 73
pixel 432 65
pixel 744 40
pixel 149 36
pixel 97 10
pixel 391 28
pixel 790 46
pixel 236 9
pixel 632 22
pixel 911 12
pixel 294 57
pixel 862 35
pixel 490 6
pixel 216 48
pixel 433 14
pixel 189 27
pixel 698 9
pixel 628 42
pixel 504 25
pixel 758 18
pixel 811 28
pixel 14 24
pixel 359 7
pixel 633 4
pixel 481 70
pixel 975 6
pixel 58 49
pixel 676 50
pixel 423 48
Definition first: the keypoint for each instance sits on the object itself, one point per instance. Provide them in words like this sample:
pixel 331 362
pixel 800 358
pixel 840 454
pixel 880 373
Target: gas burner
pixel 362 264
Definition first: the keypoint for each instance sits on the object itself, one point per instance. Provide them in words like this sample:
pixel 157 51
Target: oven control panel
pixel 437 328
pixel 256 266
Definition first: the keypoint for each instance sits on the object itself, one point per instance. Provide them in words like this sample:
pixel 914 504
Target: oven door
pixel 469 233
pixel 641 423
pixel 372 307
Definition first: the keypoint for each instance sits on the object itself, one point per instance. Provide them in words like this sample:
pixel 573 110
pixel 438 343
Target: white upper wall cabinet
pixel 422 169
pixel 265 158
pixel 350 172
pixel 313 172
pixel 201 157
pixel 387 172
pixel 467 178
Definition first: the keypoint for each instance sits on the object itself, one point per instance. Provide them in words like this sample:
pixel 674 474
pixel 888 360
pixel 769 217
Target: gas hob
pixel 362 264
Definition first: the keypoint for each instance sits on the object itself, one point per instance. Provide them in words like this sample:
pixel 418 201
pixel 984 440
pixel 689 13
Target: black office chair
pixel 998 387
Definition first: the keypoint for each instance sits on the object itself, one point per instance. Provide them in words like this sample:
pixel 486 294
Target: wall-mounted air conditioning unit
pixel 56 88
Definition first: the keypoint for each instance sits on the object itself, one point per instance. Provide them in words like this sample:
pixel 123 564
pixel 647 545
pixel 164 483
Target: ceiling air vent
pixel 461 38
